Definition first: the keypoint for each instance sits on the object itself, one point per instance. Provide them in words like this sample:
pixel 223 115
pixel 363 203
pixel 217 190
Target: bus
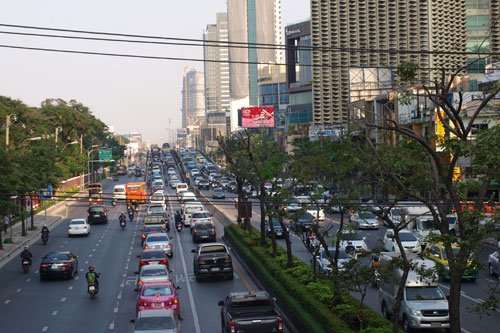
pixel 136 192
pixel 121 170
pixel 95 194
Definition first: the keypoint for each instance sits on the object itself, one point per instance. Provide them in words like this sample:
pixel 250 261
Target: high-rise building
pixel 251 21
pixel 217 88
pixel 193 97
pixel 339 26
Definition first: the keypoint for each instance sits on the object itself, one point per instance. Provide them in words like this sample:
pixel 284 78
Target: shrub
pixel 8 241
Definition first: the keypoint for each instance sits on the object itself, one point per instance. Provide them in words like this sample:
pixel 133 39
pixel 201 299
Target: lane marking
pixel 28 280
pixel 63 299
pixel 77 278
pixel 465 331
pixel 54 313
pixel 7 301
pixel 245 282
pixel 112 326
pixel 70 287
pixel 115 310
pixel 90 255
pixel 18 290
pixel 45 328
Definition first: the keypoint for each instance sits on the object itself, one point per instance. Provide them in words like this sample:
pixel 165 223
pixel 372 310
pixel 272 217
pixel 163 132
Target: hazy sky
pixel 129 94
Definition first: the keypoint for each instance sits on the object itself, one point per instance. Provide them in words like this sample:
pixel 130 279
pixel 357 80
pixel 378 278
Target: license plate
pixel 437 324
pixel 25 262
pixel 154 262
pixel 204 236
pixel 91 288
pixel 215 269
pixel 96 215
pixel 158 304
pixel 278 234
pixel 54 266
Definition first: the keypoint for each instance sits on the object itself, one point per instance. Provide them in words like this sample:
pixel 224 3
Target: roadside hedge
pixel 308 301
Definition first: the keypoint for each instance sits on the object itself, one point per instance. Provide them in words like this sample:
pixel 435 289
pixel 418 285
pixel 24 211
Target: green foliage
pixel 8 241
pixel 407 71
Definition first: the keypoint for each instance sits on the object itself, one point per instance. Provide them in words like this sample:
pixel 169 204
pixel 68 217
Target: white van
pixel 189 209
pixel 187 196
pixel 119 192
pixel 181 187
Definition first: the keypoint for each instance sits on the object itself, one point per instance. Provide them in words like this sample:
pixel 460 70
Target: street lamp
pixel 8 122
pixel 70 143
pixel 32 139
pixel 88 157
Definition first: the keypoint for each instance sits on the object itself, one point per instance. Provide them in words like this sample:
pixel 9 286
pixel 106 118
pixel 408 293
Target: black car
pixel 58 264
pixel 97 214
pixel 203 231
pixel 218 193
pixel 204 184
pixel 278 230
pixel 304 221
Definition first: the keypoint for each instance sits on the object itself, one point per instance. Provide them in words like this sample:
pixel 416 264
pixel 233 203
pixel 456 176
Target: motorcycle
pixel 122 223
pixel 45 238
pixel 92 289
pixel 131 216
pixel 376 280
pixel 178 226
pixel 113 202
pixel 26 265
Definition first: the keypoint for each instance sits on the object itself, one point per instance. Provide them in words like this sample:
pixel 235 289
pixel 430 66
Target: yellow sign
pixel 439 128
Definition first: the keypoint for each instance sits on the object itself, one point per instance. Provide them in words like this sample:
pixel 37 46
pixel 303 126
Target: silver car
pixel 153 273
pixel 159 241
pixel 494 263
pixel 323 261
pixel 160 321
pixel 365 220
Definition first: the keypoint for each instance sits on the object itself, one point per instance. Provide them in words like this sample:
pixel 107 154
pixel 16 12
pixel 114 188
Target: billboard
pixel 257 117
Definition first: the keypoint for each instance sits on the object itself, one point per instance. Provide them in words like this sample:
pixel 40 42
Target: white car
pixel 323 261
pixel 358 241
pixel 364 220
pixel 200 217
pixel 158 198
pixel 293 206
pixel 408 240
pixel 78 227
pixel 317 212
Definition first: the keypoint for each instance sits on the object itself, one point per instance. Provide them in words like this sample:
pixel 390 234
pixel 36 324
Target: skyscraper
pixel 251 21
pixel 193 98
pixel 343 25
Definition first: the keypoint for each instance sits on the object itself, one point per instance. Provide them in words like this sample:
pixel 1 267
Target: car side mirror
pixel 221 303
pixel 364 238
pixel 76 257
pixel 193 251
pixel 138 256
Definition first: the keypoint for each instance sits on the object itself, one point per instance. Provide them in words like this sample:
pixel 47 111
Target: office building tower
pixel 193 97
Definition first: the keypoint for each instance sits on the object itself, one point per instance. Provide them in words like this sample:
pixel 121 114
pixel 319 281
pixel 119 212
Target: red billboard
pixel 257 117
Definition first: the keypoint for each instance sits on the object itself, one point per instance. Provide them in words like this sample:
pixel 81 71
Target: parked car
pixel 317 212
pixel 203 231
pixel 159 241
pixel 293 206
pixel 158 295
pixel 58 264
pixel 323 262
pixel 78 227
pixel 364 220
pixel 212 259
pixel 97 214
pixel 408 240
pixel 161 321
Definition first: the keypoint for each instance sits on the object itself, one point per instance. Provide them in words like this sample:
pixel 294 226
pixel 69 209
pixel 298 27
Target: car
pixel 152 257
pixel 200 217
pixel 323 261
pixel 204 184
pixel 212 260
pixel 278 230
pixel 153 273
pixel 358 241
pixel 164 217
pixel 293 206
pixel 150 229
pixel 203 231
pixel 364 220
pixel 58 264
pixel 97 214
pixel 303 222
pixel 158 198
pixel 232 187
pixel 160 320
pixel 197 181
pixel 494 263
pixel 78 227
pixel 408 240
pixel 173 183
pixel 159 241
pixel 224 183
pixel 437 253
pixel 155 209
pixel 218 193
pixel 119 193
pixel 158 295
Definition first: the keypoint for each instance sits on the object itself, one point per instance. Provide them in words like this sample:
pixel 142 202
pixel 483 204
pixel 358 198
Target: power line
pixel 229 43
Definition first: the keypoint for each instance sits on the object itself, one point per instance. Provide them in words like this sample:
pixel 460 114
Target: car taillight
pixel 212 230
pixel 210 219
pixel 195 231
pixel 193 220
pixel 228 259
pixel 169 245
pixel 165 261
pixel 143 262
pixel 232 326
pixel 69 228
pixel 143 235
pixel 44 266
pixel 146 246
pixel 140 282
pixel 201 261
pixel 65 265
pixel 280 324
pixel 142 304
pixel 172 302
pixel 85 227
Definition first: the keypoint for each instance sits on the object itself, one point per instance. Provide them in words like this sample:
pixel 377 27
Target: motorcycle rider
pixel 130 213
pixel 375 262
pixel 45 229
pixel 350 250
pixel 122 217
pixel 26 254
pixel 178 218
pixel 93 277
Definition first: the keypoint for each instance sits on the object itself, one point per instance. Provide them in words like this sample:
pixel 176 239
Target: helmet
pixel 91 268
pixel 45 226
pixel 376 258
pixel 123 212
pixel 26 247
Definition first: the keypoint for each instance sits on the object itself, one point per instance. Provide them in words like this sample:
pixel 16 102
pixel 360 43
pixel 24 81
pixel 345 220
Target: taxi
pixel 437 253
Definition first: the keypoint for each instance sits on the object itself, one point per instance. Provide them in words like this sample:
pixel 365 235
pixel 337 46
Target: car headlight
pixel 416 313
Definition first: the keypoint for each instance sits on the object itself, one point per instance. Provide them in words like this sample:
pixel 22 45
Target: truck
pixel 424 305
pixel 95 194
pixel 422 227
pixel 212 260
pixel 249 312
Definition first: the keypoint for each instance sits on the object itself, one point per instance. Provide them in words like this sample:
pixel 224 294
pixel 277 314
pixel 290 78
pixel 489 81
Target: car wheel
pixel 198 278
pixel 384 311
pixel 69 236
pixel 490 269
pixel 230 276
pixel 406 324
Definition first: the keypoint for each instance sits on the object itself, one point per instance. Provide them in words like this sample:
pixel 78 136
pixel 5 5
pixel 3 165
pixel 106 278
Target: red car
pixel 152 257
pixel 158 295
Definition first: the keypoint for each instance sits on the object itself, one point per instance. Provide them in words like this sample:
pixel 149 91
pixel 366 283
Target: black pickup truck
pixel 212 259
pixel 250 312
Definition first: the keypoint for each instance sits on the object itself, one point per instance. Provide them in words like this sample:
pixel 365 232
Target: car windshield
pixel 156 209
pixel 455 252
pixel 157 290
pixel 351 237
pixel 200 215
pixel 153 255
pixel 203 226
pixel 97 209
pixel 294 202
pixel 276 223
pixel 407 237
pixel 427 225
pixel 154 272
pixel 158 239
pixel 154 229
pixel 154 323
pixel 77 222
pixel 157 198
pixel 367 215
pixel 451 219
pixel 424 293
pixel 306 217
pixel 57 257
pixel 213 248
pixel 342 254
pixel 119 190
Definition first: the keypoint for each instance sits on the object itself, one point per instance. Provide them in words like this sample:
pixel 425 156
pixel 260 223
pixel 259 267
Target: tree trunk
pixel 273 238
pixel 337 294
pixel 399 298
pixel 360 310
pixel 454 299
pixel 23 216
pixel 262 222
pixel 286 234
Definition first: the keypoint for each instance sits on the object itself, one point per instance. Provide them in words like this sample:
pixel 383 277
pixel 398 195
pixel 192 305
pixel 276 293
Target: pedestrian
pixel 6 223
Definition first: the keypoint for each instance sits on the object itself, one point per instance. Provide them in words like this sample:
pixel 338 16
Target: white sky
pixel 129 94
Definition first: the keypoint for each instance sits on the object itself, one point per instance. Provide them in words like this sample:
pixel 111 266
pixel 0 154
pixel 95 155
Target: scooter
pixel 26 265
pixel 131 216
pixel 178 226
pixel 45 238
pixel 376 279
pixel 113 202
pixel 122 224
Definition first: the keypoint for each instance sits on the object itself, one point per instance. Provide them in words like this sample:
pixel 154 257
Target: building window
pixel 473 85
pixel 478 22
pixel 478 44
pixel 477 4
pixel 476 65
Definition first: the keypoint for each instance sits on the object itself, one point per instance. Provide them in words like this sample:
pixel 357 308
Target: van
pixel 424 305
pixel 187 196
pixel 181 187
pixel 422 227
pixel 119 192
pixel 189 208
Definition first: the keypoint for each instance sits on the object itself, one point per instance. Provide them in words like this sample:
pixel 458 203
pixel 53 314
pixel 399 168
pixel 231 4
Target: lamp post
pixel 70 143
pixel 8 122
pixel 88 163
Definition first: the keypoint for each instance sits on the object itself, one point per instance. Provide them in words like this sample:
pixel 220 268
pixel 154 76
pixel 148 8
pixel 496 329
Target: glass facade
pixel 269 96
pixel 252 52
pixel 478 22
pixel 477 4
pixel 300 117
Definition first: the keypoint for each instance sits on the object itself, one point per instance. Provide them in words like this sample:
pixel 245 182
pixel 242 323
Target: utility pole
pixel 81 151
pixel 7 125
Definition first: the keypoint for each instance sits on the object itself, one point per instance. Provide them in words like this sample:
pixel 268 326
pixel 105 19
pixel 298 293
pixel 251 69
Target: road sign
pixel 105 155
pixel 46 194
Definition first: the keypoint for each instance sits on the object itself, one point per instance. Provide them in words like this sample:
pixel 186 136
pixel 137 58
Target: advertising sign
pixel 257 117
